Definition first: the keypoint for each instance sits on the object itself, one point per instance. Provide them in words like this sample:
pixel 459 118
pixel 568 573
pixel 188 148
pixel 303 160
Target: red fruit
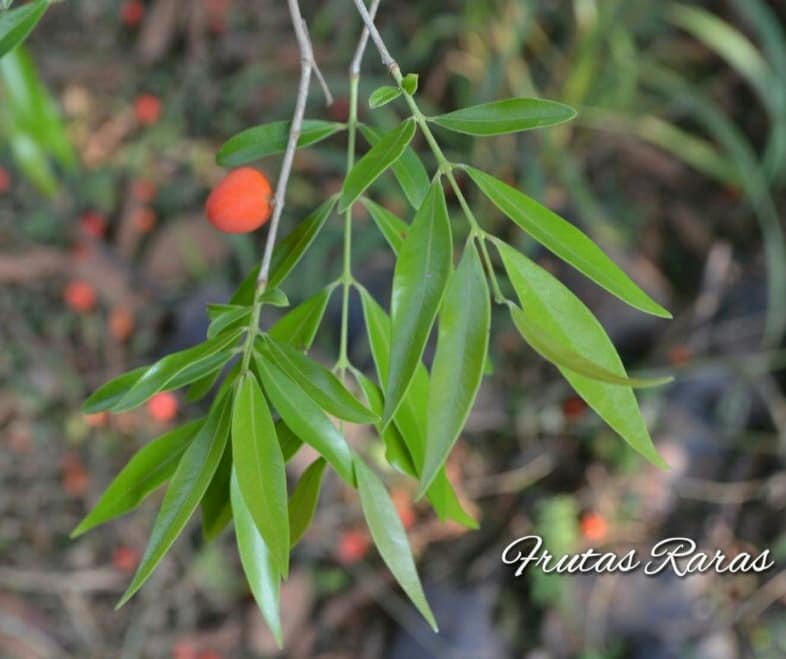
pixel 163 407
pixel 132 12
pixel 125 559
pixel 121 324
pixel 97 420
pixel 144 220
pixel 93 224
pixel 75 477
pixel 5 180
pixel 353 546
pixel 573 407
pixel 184 650
pixel 241 202
pixel 147 109
pixel 144 190
pixel 594 527
pixel 80 296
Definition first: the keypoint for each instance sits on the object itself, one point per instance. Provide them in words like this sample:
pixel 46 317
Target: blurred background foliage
pixel 110 118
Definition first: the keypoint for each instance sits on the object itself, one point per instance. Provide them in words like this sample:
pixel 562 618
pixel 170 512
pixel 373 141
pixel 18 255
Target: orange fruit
pixel 163 407
pixel 594 527
pixel 147 109
pixel 80 296
pixel 5 180
pixel 353 546
pixel 241 202
pixel 121 324
pixel 144 219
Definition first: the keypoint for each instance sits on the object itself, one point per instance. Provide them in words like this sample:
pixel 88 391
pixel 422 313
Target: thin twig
pixel 318 71
pixel 376 37
pixel 306 67
pixel 354 68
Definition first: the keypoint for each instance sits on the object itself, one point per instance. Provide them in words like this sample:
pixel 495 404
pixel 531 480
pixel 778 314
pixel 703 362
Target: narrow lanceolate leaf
pixel 410 419
pixel 419 281
pixel 462 345
pixel 382 96
pixel 110 394
pixel 303 501
pixel 566 241
pixel 561 354
pixel 260 467
pixel 186 489
pixel 215 505
pixel 324 388
pixel 393 228
pixel 299 327
pixel 233 317
pixel 179 369
pixel 150 468
pixel 509 116
pixel 269 139
pixel 305 418
pixel 408 169
pixel 381 156
pixel 290 250
pixel 260 570
pixel 290 443
pixel 562 315
pixel 17 24
pixel 390 538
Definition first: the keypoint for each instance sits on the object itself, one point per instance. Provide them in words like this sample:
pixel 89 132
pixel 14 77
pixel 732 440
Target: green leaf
pixel 393 228
pixel 246 292
pixel 409 83
pixel 299 326
pixel 109 394
pixel 215 505
pixel 202 387
pixel 324 388
pixel 289 251
pixel 289 441
pixel 234 317
pixel 396 451
pixel 408 169
pixel 419 282
pixel 462 345
pixel 390 538
pixel 17 24
pixel 186 489
pixel 509 116
pixel 381 156
pixel 269 139
pixel 148 469
pixel 560 354
pixel 215 311
pixel 258 565
pixel 382 96
pixel 260 468
pixel 305 418
pixel 562 315
pixel 179 369
pixel 566 241
pixel 303 501
pixel 275 297
pixel 411 417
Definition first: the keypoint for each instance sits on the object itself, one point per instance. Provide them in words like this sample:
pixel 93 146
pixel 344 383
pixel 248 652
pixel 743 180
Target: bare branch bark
pixel 306 68
pixel 376 37
pixel 354 68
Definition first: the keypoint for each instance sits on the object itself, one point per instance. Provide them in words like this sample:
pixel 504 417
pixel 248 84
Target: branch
pixel 306 68
pixel 376 37
pixel 354 69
